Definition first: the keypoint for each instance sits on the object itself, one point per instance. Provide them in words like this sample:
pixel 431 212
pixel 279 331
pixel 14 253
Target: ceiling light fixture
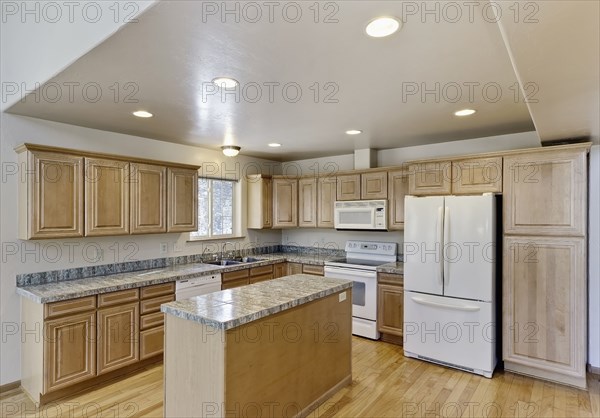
pixel 274 144
pixel 382 27
pixel 464 112
pixel 225 82
pixel 353 132
pixel 230 150
pixel 142 114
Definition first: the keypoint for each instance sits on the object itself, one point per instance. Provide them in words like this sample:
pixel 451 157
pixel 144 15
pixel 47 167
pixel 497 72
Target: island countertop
pixel 234 307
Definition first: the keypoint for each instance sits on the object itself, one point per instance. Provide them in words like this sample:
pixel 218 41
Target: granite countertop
pixel 392 268
pixel 71 289
pixel 234 307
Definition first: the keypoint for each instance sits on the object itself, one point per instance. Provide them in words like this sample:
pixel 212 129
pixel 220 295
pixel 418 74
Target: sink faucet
pixel 204 252
pixel 223 249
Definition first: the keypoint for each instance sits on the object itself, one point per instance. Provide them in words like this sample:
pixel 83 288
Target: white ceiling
pixel 170 55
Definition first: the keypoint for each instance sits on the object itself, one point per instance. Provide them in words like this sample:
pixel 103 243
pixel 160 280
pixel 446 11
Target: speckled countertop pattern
pixel 234 307
pixel 392 268
pixel 54 292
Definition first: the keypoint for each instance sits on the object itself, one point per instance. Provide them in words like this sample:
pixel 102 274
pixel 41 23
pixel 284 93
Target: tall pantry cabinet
pixel 544 264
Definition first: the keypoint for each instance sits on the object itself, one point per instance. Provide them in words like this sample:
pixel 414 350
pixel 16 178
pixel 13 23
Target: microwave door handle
pixel 440 241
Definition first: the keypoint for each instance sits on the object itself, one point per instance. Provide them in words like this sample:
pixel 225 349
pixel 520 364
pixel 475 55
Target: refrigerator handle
pixel 446 242
pixel 468 308
pixel 439 241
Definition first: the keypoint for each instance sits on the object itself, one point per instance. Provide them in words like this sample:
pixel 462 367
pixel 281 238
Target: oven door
pixel 364 290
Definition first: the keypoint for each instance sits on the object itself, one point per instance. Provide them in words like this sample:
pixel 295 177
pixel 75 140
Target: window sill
pixel 221 238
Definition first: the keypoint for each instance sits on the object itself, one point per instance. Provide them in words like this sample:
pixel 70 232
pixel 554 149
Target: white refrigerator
pixel 449 281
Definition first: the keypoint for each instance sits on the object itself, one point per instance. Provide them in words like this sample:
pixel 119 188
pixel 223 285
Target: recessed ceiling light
pixel 142 114
pixel 353 132
pixel 274 145
pixel 230 150
pixel 464 112
pixel 225 82
pixel 382 26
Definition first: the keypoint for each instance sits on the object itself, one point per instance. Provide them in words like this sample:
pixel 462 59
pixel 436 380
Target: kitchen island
pixel 276 348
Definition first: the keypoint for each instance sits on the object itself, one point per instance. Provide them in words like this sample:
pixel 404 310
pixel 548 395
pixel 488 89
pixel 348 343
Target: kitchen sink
pixel 223 262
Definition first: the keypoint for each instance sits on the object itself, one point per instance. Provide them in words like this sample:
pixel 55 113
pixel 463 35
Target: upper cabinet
pixel 374 185
pixel 67 193
pixel 427 179
pixel 285 203
pixel 260 202
pixel 326 195
pixel 148 197
pixel 545 193
pixel 307 202
pixel 50 195
pixel 397 190
pixel 106 197
pixel 182 200
pixel 477 175
pixel 348 187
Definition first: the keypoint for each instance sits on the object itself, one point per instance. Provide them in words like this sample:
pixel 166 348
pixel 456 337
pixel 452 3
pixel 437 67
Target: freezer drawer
pixel 454 332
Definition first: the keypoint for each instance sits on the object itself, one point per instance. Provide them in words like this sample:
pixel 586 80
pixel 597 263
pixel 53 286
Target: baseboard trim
pixel 9 386
pixel 579 382
pixel 593 370
pixel 392 339
pixel 321 399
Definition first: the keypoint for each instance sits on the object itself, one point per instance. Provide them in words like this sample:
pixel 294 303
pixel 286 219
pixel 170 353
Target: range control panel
pixel 372 247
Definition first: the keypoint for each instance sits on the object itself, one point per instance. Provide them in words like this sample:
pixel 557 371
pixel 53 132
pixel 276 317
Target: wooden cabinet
pixel 261 274
pixel 326 195
pixel 106 197
pixel 182 200
pixel 313 269
pixel 397 190
pixel 260 202
pixel 307 202
pixel 148 197
pixel 294 268
pixel 69 351
pixel 50 195
pixel 285 203
pixel 152 320
pixel 427 179
pixel 235 278
pixel 152 342
pixel 544 307
pixel 348 187
pixel 477 176
pixel 390 307
pixel 374 185
pixel 118 343
pixel 279 270
pixel 546 193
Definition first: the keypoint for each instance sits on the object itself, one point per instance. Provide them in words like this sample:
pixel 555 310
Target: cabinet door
pixel 235 283
pixel 285 203
pixel 152 342
pixel 267 202
pixel 307 203
pixel 69 350
pixel 118 343
pixel 374 185
pixel 260 202
pixel 294 268
pixel 430 179
pixel 348 187
pixel 390 309
pixel 476 176
pixel 148 198
pixel 544 307
pixel 326 195
pixel 106 197
pixel 398 189
pixel 545 193
pixel 182 200
pixel 52 204
pixel 279 270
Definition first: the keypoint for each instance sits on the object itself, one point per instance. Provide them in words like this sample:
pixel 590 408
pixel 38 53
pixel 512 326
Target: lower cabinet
pixel 279 270
pixel 390 308
pixel 299 268
pixel 261 274
pixel 294 268
pixel 151 342
pixel 69 350
pixel 233 279
pixel 118 345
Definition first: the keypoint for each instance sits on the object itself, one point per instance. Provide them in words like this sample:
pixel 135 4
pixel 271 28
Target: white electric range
pixel 360 266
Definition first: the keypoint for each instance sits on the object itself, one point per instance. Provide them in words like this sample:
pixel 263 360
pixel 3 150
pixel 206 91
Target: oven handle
pixel 350 272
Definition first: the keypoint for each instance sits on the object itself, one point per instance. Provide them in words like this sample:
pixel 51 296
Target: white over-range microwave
pixel 361 214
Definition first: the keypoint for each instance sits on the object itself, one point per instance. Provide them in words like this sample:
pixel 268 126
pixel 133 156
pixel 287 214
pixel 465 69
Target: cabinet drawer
pixel 256 271
pixel 261 278
pixel 153 305
pixel 312 269
pixel 152 342
pixel 116 298
pixel 52 310
pixel 152 320
pixel 158 290
pixel 234 275
pixel 393 279
pixel 234 283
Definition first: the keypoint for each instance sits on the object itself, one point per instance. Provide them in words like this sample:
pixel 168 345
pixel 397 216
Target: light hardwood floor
pixel 385 384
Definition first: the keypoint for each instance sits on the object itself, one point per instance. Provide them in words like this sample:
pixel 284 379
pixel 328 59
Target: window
pixel 216 203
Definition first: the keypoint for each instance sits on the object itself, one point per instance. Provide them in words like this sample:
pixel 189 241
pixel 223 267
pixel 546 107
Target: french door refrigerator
pixel 449 281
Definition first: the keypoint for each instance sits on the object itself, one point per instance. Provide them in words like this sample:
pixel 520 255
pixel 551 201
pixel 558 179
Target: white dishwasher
pixel 187 288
